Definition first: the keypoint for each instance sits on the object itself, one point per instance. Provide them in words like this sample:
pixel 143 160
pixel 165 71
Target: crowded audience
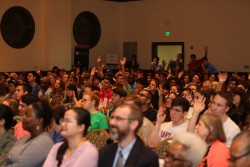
pixel 200 115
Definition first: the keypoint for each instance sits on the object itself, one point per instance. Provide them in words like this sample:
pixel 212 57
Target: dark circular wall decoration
pixel 87 29
pixel 17 27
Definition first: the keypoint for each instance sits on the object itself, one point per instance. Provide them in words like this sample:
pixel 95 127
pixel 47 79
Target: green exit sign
pixel 167 34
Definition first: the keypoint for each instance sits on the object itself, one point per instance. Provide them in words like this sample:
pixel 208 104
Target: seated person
pixel 7 140
pixel 98 120
pixel 32 149
pixel 75 151
pixel 166 130
pixel 187 149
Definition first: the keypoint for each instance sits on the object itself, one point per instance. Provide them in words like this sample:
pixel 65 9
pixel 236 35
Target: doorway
pixel 168 50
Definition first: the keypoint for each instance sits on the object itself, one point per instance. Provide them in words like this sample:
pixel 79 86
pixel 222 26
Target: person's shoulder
pixel 230 123
pixel 105 150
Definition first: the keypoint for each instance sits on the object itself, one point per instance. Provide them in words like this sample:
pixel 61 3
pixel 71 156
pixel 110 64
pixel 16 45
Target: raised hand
pixel 92 71
pixel 160 90
pixel 123 61
pixel 161 115
pixel 199 104
pixel 103 65
pixel 99 59
pixel 222 77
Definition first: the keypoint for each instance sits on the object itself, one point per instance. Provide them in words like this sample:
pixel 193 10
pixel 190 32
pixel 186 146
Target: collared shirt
pixel 125 152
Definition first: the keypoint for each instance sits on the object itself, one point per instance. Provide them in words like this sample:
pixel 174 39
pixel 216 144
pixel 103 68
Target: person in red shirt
pixel 106 91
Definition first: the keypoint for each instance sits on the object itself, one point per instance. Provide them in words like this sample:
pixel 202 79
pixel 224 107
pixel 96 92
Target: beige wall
pixel 108 14
pixel 222 25
pixel 51 44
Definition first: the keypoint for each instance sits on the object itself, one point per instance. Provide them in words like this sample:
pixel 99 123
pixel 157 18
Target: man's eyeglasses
pixel 167 154
pixel 117 118
pixel 233 159
pixel 142 95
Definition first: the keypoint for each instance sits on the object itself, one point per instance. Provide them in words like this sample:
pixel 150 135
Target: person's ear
pixel 2 122
pixel 227 109
pixel 134 124
pixel 81 128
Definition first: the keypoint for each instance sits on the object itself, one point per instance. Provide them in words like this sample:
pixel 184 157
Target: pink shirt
pixel 19 132
pixel 84 156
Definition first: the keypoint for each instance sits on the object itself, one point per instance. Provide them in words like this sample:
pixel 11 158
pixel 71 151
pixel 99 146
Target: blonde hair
pixel 93 96
pixel 214 124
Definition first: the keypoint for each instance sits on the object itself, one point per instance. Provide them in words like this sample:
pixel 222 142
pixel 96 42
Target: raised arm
pixel 154 138
pixel 99 67
pixel 222 79
pixel 160 91
pixel 206 51
pixel 199 105
pixel 124 78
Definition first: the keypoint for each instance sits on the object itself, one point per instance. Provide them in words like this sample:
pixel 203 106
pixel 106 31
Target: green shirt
pixel 98 121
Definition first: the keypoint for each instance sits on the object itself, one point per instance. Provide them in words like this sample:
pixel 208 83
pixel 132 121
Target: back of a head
pixel 7 115
pixel 194 146
pixel 29 99
pixel 244 137
pixel 58 112
pixel 120 91
pixel 181 101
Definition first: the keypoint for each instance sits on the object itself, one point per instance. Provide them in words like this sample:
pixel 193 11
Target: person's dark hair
pixel 73 87
pixel 120 91
pixel 236 81
pixel 228 96
pixel 110 79
pixel 58 112
pixel 204 58
pixel 7 115
pixel 181 101
pixel 13 104
pixel 44 111
pixel 28 99
pixel 157 82
pixel 193 55
pixel 83 117
pixel 157 58
pixel 244 101
pixel 26 87
pixel 150 94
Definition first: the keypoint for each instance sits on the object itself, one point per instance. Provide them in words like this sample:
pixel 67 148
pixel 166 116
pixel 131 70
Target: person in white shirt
pixel 219 105
pixel 178 123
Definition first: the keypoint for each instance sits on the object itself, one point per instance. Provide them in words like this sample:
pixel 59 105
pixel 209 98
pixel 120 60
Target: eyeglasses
pixel 167 154
pixel 142 95
pixel 117 118
pixel 85 100
pixel 62 120
pixel 233 159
